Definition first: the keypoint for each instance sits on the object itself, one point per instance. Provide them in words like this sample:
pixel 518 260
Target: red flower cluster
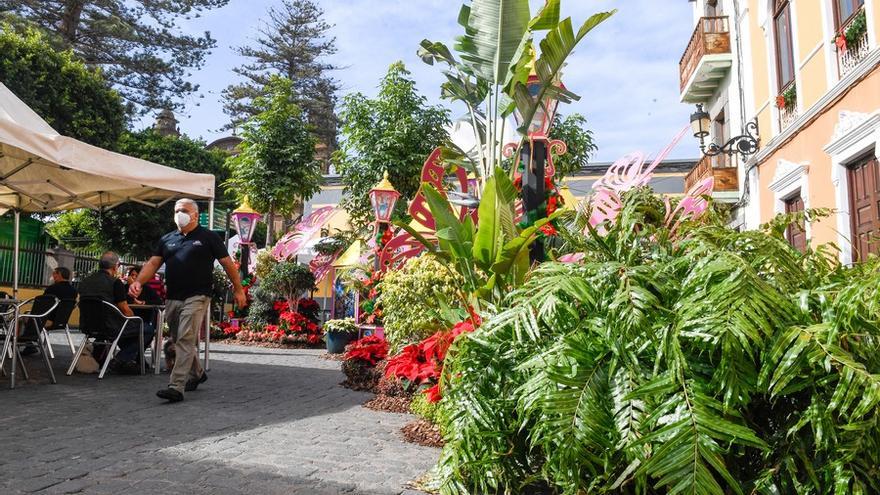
pixel 840 41
pixel 229 329
pixel 296 324
pixel 548 230
pixel 279 306
pixel 422 363
pixel 780 102
pixel 371 349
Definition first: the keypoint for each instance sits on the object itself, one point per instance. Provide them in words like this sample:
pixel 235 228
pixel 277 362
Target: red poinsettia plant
pixel 422 364
pixel 298 325
pixel 371 349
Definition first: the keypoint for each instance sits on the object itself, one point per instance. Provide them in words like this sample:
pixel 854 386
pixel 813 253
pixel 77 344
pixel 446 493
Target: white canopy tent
pixel 43 171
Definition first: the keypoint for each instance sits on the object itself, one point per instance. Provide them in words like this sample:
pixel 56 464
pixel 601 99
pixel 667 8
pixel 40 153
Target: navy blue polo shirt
pixel 189 261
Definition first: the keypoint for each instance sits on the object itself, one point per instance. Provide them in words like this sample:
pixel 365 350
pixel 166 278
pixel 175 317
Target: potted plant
pixel 339 333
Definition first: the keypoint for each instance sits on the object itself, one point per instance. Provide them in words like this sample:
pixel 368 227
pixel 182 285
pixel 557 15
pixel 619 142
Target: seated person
pixel 148 296
pixel 104 284
pixel 157 285
pixel 61 289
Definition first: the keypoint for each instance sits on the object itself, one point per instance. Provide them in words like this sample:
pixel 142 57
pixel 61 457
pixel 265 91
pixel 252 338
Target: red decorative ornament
pixel 402 246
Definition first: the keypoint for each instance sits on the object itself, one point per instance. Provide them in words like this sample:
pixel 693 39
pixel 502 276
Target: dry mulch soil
pixel 387 403
pixel 422 432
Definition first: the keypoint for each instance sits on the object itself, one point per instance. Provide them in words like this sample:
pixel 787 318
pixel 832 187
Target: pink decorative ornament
pixel 572 258
pixel 304 232
pixel 626 173
pixel 691 206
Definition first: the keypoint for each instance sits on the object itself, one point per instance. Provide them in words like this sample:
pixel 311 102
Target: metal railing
pixel 712 35
pixel 36 262
pixel 850 57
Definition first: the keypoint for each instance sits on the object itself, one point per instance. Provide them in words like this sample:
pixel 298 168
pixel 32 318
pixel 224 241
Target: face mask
pixel 182 219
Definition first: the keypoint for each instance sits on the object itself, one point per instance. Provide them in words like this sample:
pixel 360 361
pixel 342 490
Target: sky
pixel 626 70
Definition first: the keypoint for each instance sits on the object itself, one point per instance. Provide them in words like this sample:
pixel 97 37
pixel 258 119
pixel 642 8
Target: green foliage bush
pixel 424 409
pixel 411 299
pixel 265 263
pixel 697 360
pixel 261 310
pixel 346 325
pixel 75 100
pixel 288 279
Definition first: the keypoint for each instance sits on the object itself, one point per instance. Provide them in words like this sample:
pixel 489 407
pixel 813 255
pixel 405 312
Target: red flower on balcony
pixel 840 41
pixel 780 102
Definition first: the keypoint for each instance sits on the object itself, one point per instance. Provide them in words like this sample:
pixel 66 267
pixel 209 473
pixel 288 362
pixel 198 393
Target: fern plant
pixel 700 361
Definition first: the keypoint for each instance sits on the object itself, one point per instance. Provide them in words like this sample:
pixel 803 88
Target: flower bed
pixel 287 328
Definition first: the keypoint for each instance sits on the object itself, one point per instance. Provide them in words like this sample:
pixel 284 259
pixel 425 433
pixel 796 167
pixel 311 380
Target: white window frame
pixel 854 135
pixel 790 180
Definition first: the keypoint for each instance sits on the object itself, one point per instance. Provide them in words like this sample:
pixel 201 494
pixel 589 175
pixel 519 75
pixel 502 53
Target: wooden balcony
pixel 706 60
pixel 721 167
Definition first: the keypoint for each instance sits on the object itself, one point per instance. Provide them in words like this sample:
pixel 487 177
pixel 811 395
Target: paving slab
pixel 267 421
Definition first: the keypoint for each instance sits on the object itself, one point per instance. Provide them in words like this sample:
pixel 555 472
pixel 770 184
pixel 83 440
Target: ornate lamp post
pixel 383 198
pixel 533 156
pixel 245 219
pixel 745 144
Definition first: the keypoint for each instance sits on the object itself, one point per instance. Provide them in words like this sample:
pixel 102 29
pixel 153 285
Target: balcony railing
pixel 787 115
pixel 850 57
pixel 721 167
pixel 711 36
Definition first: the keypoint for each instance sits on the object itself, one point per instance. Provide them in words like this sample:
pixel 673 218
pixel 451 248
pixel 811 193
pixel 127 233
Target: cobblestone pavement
pixel 266 422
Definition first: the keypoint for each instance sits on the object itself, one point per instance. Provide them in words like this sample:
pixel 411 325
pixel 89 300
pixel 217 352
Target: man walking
pixel 188 253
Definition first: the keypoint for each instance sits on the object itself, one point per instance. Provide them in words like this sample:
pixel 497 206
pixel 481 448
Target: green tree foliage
pixel 138 43
pixel 573 131
pixel 276 168
pixel 694 360
pixel 294 43
pixel 133 228
pixel 289 279
pixel 396 131
pixel 411 299
pixel 74 100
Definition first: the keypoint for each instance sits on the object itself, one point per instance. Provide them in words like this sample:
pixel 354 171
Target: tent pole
pixel 15 253
pixel 210 214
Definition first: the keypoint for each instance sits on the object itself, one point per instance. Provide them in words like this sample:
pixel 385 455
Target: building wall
pixel 808 147
pixel 827 103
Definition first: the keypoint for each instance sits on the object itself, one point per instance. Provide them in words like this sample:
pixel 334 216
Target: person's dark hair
pixel 64 272
pixel 108 260
pixel 135 268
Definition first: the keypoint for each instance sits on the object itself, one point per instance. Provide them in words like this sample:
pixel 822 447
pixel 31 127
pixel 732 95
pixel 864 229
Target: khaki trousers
pixel 185 320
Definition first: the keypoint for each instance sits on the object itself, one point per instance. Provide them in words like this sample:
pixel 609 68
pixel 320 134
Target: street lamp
pixel 533 154
pixel 245 219
pixel 383 197
pixel 745 144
